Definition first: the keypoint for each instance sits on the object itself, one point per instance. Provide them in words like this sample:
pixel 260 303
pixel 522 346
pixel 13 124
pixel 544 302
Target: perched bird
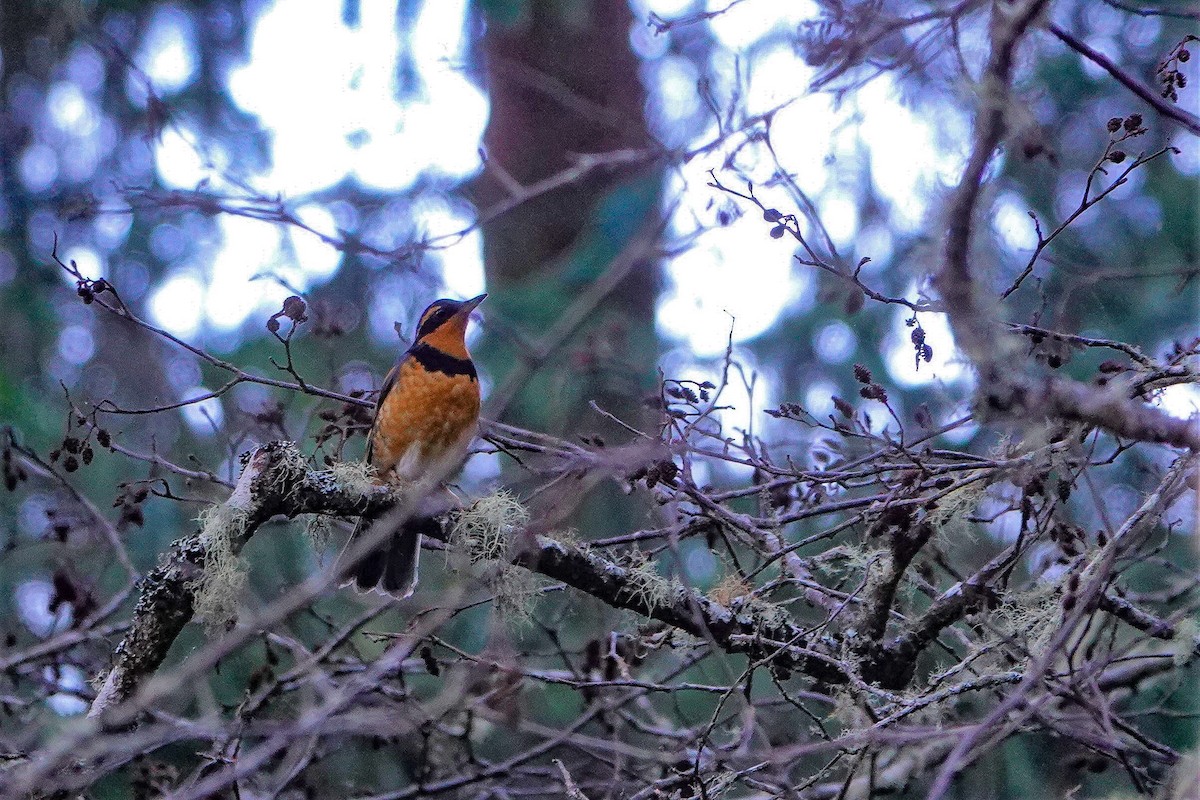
pixel 425 417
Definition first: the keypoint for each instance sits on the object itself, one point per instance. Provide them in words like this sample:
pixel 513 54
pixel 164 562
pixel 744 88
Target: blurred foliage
pixel 107 194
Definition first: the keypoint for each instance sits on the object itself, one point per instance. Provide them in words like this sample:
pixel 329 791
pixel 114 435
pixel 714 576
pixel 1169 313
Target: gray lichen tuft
pixel 643 583
pixel 482 535
pixel 353 476
pixel 484 531
pixel 217 590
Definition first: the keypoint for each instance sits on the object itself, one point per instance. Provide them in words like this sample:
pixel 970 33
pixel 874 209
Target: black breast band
pixel 435 360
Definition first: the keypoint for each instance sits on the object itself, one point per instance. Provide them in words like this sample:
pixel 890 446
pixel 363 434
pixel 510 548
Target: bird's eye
pixel 434 316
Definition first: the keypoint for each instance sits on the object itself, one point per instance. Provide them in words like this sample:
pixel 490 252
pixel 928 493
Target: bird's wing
pixel 389 383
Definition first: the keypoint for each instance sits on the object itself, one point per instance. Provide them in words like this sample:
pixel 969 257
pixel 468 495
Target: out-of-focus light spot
pixel 734 276
pixel 462 260
pixel 874 242
pixel 134 279
pixel 136 160
pixel 1181 400
pixel 177 304
pixel 85 67
pixel 947 365
pixel 80 159
pixel 38 167
pixel 675 85
pixel 111 230
pixel 1005 520
pixel 168 51
pixel 63 372
pixel 183 372
pixel 167 241
pixel 1068 191
pixel 396 222
pixel 1144 211
pixel 76 344
pixel 31 516
pixel 462 267
pixel 437 35
pixel 356 376
pixel 745 23
pixel 70 110
pixel 1012 224
pixel 241 270
pixel 1047 571
pixel 840 215
pixel 746 393
pixel 700 565
pixel 345 214
pixel 801 132
pixel 87 260
pixel 818 399
pixel 906 162
pixel 71 680
pixel 835 342
pixel 33 606
pixel 1140 32
pixel 41 229
pixel 299 83
pixel 1105 21
pixel 962 433
pixel 324 88
pixel 1106 46
pixel 316 258
pixel 447 129
pixel 204 417
pixel 392 304
pixel 1133 186
pixel 178 163
pixel 647 44
pixel 1188 159
pixel 775 75
pixel 667 9
pixel 482 469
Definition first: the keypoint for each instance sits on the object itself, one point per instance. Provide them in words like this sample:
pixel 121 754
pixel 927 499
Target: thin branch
pixel 1172 112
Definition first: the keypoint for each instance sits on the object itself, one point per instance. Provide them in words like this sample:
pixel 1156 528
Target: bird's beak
pixel 470 305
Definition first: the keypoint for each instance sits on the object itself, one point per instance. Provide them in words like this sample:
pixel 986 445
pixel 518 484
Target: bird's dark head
pixel 444 324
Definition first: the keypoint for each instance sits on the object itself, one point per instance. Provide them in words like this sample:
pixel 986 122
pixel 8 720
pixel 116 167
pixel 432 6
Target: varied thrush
pixel 425 417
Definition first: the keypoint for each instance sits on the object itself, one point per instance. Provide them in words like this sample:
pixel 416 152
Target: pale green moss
pixel 481 535
pixel 353 476
pixel 217 591
pixel 1183 645
pixel 484 531
pixel 643 582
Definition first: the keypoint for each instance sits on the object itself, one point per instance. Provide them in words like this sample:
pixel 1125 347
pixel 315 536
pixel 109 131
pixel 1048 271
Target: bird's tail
pixel 392 568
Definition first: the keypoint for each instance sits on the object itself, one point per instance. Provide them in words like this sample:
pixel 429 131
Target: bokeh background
pixel 212 158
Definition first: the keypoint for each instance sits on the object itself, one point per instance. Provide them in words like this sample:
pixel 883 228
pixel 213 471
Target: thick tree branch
pixel 1004 388
pixel 275 481
pixel 1107 407
pixel 972 322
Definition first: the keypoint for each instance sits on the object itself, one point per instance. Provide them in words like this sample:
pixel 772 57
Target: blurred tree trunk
pixel 563 81
pixel 32 34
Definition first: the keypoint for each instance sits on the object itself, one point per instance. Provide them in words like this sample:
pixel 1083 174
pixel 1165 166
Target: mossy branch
pixel 276 481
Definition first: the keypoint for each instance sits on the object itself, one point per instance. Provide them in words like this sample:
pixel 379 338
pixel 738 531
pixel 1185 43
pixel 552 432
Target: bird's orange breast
pixel 425 420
